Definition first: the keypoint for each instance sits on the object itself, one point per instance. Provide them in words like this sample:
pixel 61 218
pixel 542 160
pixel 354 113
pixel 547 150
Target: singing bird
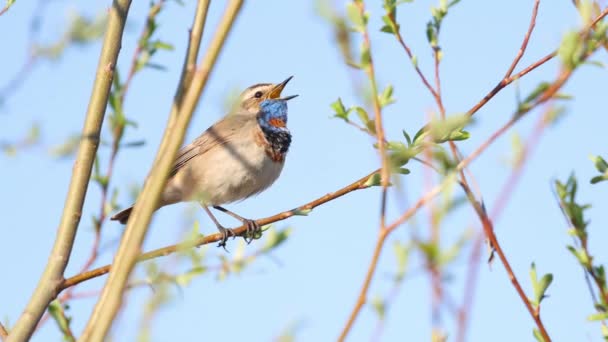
pixel 239 156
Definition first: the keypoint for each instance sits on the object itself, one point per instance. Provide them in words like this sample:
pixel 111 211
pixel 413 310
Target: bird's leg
pixel 226 232
pixel 253 229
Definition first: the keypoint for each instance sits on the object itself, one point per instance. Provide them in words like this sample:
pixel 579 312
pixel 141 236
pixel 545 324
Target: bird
pixel 239 156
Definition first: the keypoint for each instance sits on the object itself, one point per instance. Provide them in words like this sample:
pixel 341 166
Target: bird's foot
pixel 226 233
pixel 254 231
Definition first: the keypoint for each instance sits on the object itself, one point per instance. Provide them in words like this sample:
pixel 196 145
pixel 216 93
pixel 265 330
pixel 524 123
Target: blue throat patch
pixel 272 119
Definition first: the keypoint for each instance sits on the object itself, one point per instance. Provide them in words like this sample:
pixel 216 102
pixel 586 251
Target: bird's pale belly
pixel 228 173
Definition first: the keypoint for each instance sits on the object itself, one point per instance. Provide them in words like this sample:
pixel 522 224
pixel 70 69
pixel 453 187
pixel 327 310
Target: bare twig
pixel 503 197
pixel 52 277
pixel 362 183
pixel 524 43
pixel 3 332
pixel 369 70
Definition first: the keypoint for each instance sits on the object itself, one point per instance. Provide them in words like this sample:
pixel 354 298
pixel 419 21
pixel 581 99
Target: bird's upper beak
pixel 275 93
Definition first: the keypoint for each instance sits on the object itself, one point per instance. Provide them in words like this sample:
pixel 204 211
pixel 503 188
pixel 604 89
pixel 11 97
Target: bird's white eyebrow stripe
pixel 259 85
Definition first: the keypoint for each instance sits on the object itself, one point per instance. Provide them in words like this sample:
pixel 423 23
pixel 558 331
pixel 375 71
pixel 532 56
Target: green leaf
pixel 302 212
pixel 362 114
pixel 600 316
pixel 538 336
pixel 402 253
pixel 386 97
pixel 57 311
pixel 539 286
pixel 366 57
pixel 407 138
pixel 275 238
pixel 527 102
pixel 379 306
pixel 186 278
pixel 160 45
pixel 581 256
pixel 449 129
pixel 358 19
pixel 373 180
pixel 339 109
pixel 571 49
pixel 600 163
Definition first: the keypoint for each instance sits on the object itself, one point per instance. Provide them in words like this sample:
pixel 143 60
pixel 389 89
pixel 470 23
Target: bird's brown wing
pixel 219 134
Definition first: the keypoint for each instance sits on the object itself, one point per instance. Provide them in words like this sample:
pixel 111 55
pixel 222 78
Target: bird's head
pixel 251 97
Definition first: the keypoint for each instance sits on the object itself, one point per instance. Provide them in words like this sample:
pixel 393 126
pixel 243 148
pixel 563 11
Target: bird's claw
pixel 226 233
pixel 254 231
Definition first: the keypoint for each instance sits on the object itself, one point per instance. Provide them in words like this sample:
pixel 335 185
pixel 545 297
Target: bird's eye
pixel 258 94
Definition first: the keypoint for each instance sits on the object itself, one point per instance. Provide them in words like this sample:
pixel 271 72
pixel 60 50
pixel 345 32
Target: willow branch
pixel 504 195
pixel 111 297
pixel 52 277
pixel 362 183
pixel 524 43
pixel 3 332
pixel 379 127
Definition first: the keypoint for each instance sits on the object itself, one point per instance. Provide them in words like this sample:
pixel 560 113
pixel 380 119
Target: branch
pixel 362 183
pixel 505 193
pixel 52 277
pixel 524 43
pixel 111 297
pixel 369 70
pixel 508 80
pixel 3 332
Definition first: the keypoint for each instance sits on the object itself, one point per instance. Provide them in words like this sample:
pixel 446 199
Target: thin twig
pixel 408 51
pixel 505 193
pixel 524 43
pixel 382 235
pixel 385 172
pixel 58 260
pixel 3 332
pixel 489 230
pixel 152 13
pixel 359 184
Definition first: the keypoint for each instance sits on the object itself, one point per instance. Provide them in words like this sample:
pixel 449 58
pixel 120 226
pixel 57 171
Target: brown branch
pixel 489 230
pixel 385 172
pixel 382 235
pixel 359 184
pixel 505 193
pixel 3 332
pixel 506 81
pixel 408 51
pixel 524 44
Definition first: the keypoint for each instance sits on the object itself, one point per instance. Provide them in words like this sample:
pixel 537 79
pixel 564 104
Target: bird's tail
pixel 123 215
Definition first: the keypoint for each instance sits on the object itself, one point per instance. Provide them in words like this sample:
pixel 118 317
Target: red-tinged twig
pixel 152 13
pixel 3 332
pixel 382 235
pixel 357 185
pixel 409 53
pixel 524 43
pixel 369 70
pixel 503 198
pixel 506 81
pixel 489 231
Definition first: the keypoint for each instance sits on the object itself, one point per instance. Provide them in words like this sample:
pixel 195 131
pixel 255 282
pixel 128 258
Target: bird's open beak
pixel 275 93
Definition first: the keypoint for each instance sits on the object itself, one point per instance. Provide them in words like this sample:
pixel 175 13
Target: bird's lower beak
pixel 286 98
pixel 275 93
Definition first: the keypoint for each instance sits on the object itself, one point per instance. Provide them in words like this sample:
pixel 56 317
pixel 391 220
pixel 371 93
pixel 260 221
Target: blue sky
pixel 323 263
